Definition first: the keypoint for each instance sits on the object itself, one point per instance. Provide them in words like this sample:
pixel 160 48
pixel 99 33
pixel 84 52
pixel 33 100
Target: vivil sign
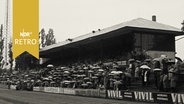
pixel 154 97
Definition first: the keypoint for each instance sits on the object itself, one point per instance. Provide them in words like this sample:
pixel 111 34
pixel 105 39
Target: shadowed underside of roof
pixel 136 23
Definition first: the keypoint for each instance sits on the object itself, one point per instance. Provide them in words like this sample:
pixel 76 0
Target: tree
pixel 1 45
pixel 10 56
pixel 182 26
pixel 50 39
pixel 42 36
pixel 46 39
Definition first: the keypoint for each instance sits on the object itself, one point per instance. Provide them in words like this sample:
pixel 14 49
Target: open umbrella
pixel 53 82
pixel 89 82
pixel 50 66
pixel 90 71
pixel 86 78
pixel 85 68
pixel 111 74
pixel 96 67
pixel 84 85
pixel 131 60
pixel 157 69
pixel 83 75
pixel 50 77
pixel 100 70
pixel 179 59
pixel 46 79
pixel 127 74
pixel 115 66
pixel 66 72
pixel 147 60
pixel 117 82
pixel 94 77
pixel 81 71
pixel 66 82
pixel 145 67
pixel 156 59
pixel 74 75
pixel 116 72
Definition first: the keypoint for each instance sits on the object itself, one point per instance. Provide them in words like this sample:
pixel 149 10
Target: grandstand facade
pixel 121 42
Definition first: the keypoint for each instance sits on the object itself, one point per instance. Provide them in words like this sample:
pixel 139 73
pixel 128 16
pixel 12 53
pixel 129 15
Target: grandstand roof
pixel 138 23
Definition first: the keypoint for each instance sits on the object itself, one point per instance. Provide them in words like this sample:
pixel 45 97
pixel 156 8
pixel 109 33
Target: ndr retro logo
pixel 25 39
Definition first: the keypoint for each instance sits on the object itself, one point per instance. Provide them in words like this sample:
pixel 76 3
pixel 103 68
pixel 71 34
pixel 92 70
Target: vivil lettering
pixel 157 97
pixel 177 98
pixel 143 96
pixel 114 94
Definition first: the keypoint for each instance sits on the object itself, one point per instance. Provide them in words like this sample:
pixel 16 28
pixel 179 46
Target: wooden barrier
pixel 13 87
pixel 36 88
pixel 3 85
pixel 51 89
pixel 69 91
pixel 61 90
pixel 88 92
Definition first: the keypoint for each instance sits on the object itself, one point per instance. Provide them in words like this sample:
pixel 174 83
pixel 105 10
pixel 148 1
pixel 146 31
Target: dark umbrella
pixel 131 60
pixel 179 59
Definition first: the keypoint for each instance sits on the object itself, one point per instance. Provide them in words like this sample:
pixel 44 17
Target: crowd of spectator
pixel 118 75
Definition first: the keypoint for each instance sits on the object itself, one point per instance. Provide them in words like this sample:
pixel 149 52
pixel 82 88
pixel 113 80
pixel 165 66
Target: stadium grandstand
pixel 119 42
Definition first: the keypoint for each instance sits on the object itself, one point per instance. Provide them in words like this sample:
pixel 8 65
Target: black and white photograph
pixel 92 52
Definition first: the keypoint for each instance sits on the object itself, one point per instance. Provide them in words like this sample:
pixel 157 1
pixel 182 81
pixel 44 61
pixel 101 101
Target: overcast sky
pixel 72 18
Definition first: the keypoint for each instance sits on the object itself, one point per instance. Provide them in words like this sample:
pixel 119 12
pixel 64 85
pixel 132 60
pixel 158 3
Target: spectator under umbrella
pixel 131 60
pixel 74 75
pixel 45 83
pixel 89 83
pixel 111 74
pixel 100 70
pixel 62 68
pixel 46 79
pixel 115 65
pixel 75 72
pixel 50 66
pixel 145 67
pixel 116 72
pixel 66 81
pixel 117 84
pixel 66 69
pixel 94 77
pixel 157 69
pixel 81 71
pixel 52 83
pixel 65 75
pixel 157 74
pixel 145 74
pixel 84 85
pixel 95 67
pixel 85 68
pixel 83 75
pixel 90 71
pixel 86 78
pixel 66 72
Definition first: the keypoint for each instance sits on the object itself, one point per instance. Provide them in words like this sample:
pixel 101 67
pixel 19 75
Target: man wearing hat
pixel 173 75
